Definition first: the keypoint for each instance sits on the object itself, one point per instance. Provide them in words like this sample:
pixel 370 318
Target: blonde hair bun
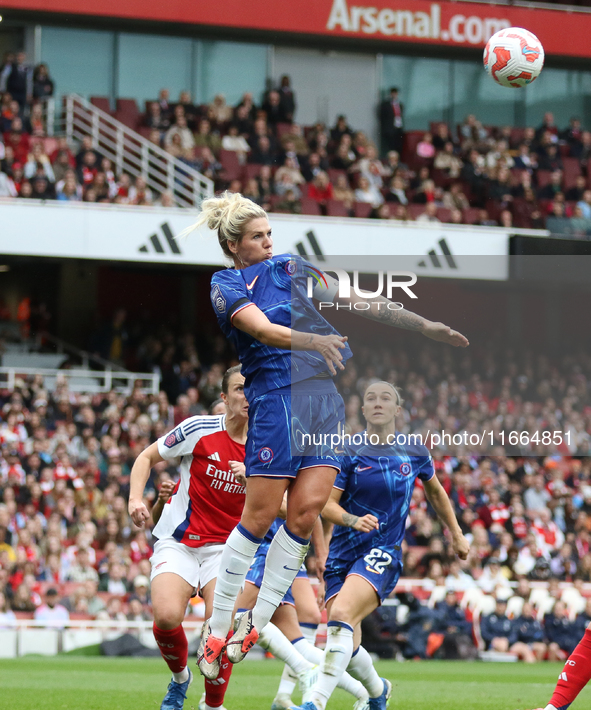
pixel 228 214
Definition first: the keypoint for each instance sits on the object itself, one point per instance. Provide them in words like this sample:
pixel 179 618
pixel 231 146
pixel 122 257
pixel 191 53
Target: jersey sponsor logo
pixel 214 457
pixel 250 286
pixel 362 468
pixel 405 469
pixel 175 437
pixel 218 300
pixel 266 455
pixel 223 480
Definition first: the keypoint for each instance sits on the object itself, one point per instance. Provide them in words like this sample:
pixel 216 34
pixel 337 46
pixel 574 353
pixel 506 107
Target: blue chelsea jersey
pixel 378 480
pixel 278 287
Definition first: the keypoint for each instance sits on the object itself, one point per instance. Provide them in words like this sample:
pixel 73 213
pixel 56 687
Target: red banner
pixel 461 24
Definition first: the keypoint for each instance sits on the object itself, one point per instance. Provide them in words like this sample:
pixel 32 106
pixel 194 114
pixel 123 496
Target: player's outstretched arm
pixel 335 513
pixel 407 320
pixel 166 489
pixel 438 498
pixel 253 321
pixel 138 479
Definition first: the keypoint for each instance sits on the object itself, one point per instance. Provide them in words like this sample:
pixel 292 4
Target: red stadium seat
pixel 441 177
pixel 336 208
pixel 471 215
pixel 101 102
pixel 252 170
pixel 444 214
pixel 282 129
pixel 310 207
pixel 126 119
pixel 333 174
pixel 415 210
pixel 362 209
pixel 544 177
pixel 572 170
pixel 230 164
pixel 411 140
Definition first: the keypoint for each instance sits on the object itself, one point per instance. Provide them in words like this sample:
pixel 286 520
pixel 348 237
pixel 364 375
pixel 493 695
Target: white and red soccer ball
pixel 513 57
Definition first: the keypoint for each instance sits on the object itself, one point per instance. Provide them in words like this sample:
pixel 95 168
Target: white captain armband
pixel 326 292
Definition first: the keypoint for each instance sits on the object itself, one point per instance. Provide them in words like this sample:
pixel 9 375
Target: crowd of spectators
pixel 67 545
pixel 533 177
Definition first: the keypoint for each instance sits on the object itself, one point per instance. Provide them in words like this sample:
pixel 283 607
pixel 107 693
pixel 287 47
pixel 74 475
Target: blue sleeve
pixel 426 469
pixel 343 476
pixel 228 294
pixel 514 633
pixel 485 629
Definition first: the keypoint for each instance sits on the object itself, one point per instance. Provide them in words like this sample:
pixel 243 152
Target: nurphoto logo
pixel 387 281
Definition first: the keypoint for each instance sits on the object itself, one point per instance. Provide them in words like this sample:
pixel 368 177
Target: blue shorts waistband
pixel 313 385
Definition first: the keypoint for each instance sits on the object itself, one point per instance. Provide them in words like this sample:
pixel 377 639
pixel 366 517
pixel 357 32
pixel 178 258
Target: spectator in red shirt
pixel 320 189
pixel 18 140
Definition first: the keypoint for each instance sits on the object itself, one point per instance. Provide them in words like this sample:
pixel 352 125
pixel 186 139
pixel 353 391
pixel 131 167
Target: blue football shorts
pixel 293 428
pixel 381 567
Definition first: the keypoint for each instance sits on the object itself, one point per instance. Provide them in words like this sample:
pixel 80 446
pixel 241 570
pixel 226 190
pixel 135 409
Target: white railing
pixel 27 636
pixel 85 380
pixel 133 154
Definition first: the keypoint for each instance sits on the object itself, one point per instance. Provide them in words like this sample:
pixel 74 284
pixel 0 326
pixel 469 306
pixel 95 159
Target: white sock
pixel 337 654
pixel 237 557
pixel 284 559
pixel 287 683
pixel 362 668
pixel 309 633
pixel 315 656
pixel 271 639
pixel 210 707
pixel 181 677
pixel 549 707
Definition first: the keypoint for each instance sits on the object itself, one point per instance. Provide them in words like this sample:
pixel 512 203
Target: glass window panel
pixel 80 61
pixel 424 88
pixel 475 92
pixel 148 63
pixel 231 68
pixel 560 91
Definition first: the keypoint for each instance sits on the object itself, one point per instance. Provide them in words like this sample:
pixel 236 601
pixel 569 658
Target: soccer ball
pixel 513 57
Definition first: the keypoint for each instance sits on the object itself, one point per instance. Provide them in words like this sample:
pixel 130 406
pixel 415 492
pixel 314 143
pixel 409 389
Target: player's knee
pixel 258 522
pixel 311 615
pixel 167 619
pixel 302 523
pixel 341 612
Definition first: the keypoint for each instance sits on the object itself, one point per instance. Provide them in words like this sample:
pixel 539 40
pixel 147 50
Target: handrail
pixel 133 154
pixel 106 380
pixel 84 355
pixel 106 624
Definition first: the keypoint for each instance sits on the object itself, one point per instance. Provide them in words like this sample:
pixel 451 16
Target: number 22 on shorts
pixel 377 561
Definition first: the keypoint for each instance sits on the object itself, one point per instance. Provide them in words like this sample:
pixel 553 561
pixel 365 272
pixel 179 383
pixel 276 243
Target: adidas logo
pixel 157 244
pixel 436 258
pixel 562 676
pixel 214 457
pixel 301 248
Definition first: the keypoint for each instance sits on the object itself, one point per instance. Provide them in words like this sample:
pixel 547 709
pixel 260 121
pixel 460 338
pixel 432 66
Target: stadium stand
pixel 66 458
pixel 531 177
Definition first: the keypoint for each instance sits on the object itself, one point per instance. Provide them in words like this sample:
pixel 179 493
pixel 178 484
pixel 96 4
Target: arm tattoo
pixel 398 319
pixel 350 520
